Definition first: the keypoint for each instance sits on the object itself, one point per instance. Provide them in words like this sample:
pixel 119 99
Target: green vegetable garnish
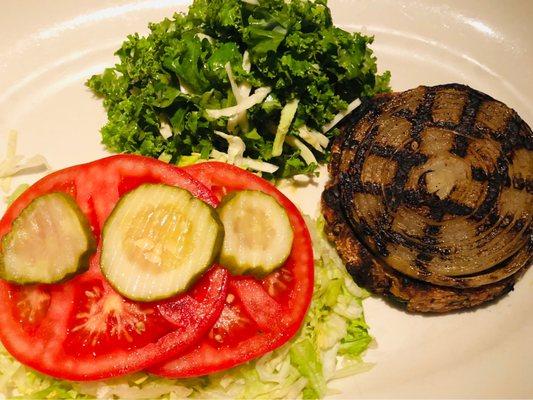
pixel 222 54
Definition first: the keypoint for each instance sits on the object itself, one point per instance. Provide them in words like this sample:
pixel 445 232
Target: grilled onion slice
pixel 438 183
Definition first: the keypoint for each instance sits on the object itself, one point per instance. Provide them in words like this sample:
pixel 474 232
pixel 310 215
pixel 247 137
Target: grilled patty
pixel 430 198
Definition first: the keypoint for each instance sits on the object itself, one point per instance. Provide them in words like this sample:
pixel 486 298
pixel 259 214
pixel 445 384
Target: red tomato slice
pixel 259 315
pixel 83 329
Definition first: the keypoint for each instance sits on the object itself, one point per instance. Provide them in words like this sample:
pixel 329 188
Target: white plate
pixel 48 50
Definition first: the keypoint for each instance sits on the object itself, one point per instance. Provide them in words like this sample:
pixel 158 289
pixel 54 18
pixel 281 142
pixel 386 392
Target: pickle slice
pixel 157 241
pixel 258 235
pixel 49 242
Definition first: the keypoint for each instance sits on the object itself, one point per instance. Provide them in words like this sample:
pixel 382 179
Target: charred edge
pixel 506 181
pixel 353 186
pixel 352 143
pixel 489 221
pixel 520 183
pixel 369 109
pixel 415 198
pixel 396 190
pixel 363 271
pixel 330 195
pixel 481 96
pixel 450 126
pixel 421 260
pixel 469 113
pixel 378 237
pixel 423 114
pixel 506 220
pixel 495 183
pixel 349 140
pixel 460 145
pixel 519 225
pixel 383 151
pixel 429 240
pixel 437 207
pixel 478 174
pixel 465 128
pixel 527 136
pixel 418 123
pixel 364 228
pixel 451 207
pixel 424 257
pixel 371 188
pixel 529 186
pixel 432 230
pixel 511 139
pixel 405 114
pixel 399 155
pixel 350 181
pixel 362 150
pixel 421 245
pixel 422 179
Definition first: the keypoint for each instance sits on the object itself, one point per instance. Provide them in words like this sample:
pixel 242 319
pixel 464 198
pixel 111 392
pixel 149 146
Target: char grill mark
pixel 414 295
pixel 443 181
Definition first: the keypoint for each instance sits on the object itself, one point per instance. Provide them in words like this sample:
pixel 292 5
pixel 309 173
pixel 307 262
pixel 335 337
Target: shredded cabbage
pixel 241 93
pixel 316 139
pixel 14 163
pixel 236 148
pixel 338 118
pixel 287 115
pixel 328 346
pixel 305 153
pixel 165 130
pixel 259 95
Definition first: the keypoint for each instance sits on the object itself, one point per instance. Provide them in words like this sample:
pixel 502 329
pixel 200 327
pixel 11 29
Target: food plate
pixel 48 50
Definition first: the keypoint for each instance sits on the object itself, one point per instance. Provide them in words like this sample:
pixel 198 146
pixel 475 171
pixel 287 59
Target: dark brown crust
pixel 412 294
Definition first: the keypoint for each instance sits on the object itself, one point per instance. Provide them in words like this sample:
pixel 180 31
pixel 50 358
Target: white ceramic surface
pixel 49 48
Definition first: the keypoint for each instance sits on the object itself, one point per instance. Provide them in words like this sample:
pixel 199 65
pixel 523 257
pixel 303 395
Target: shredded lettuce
pixel 328 346
pixel 246 103
pixel 316 139
pixel 305 153
pixel 287 115
pixel 234 155
pixel 210 70
pixel 331 124
pixel 14 163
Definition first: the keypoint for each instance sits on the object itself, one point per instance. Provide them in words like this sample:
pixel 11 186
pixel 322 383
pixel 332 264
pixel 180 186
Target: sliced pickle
pixel 49 242
pixel 258 233
pixel 157 241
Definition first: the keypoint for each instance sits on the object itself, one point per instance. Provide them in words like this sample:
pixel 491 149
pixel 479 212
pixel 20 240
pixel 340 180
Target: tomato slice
pixel 83 329
pixel 259 315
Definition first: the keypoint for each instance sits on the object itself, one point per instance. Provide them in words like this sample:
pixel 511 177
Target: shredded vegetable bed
pixel 13 163
pixel 260 84
pixel 328 346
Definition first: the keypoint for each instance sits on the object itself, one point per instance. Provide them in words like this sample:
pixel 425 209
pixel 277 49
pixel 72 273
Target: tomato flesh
pixel 82 329
pixel 259 315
